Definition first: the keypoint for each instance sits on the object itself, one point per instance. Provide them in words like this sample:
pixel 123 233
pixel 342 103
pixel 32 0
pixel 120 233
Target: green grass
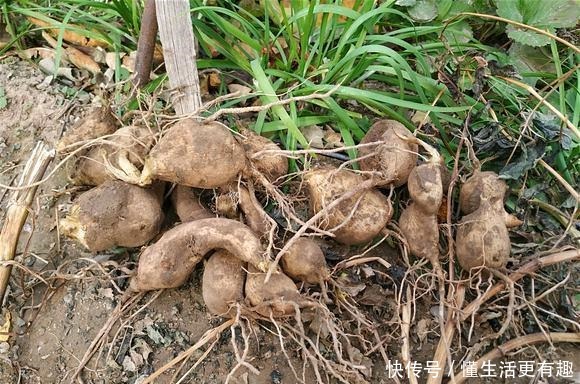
pixel 377 58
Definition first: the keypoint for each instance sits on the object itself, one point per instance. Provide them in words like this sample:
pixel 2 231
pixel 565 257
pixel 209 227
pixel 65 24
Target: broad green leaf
pixel 542 14
pixel 423 11
pixel 529 59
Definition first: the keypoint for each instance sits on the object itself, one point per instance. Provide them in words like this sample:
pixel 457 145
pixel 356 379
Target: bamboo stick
pixel 18 208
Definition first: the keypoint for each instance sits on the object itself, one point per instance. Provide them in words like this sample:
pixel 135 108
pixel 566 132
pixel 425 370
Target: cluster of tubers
pixel 132 167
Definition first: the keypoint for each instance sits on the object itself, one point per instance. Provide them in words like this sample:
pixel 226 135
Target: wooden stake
pixel 179 52
pixel 146 44
pixel 18 208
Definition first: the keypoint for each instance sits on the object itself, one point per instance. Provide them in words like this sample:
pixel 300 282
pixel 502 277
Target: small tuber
pixel 304 261
pixel 188 205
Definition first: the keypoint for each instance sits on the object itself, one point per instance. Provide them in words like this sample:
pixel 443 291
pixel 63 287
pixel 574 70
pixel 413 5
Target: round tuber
pixel 277 297
pixel 356 220
pixel 98 122
pixel 272 165
pixel 115 214
pixel 394 159
pixel 304 261
pixel 195 154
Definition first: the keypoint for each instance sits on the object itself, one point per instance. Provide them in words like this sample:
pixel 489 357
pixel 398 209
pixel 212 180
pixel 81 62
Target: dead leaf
pixel 314 135
pixel 40 52
pixel 214 80
pixel 82 61
pixel 5 328
pixel 241 89
pixel 333 139
pixel 158 55
pixel 47 65
pixel 129 61
pixel 374 295
pixel 68 35
pixel 49 39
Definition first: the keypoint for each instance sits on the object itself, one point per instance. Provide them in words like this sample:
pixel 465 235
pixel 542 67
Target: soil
pixel 52 328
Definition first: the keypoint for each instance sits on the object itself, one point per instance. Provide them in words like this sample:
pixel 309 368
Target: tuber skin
pixel 195 154
pixel 254 215
pixel 304 261
pixel 482 238
pixel 485 185
pixel 187 205
pixel 125 153
pixel 98 122
pixel 223 283
pixel 351 224
pixel 418 221
pixel 277 297
pixel 115 214
pixel 396 158
pixel 482 235
pixel 273 166
pixel 169 262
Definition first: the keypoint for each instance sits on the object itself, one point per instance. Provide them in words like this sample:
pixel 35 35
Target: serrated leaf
pixel 531 59
pixel 546 15
pixel 423 11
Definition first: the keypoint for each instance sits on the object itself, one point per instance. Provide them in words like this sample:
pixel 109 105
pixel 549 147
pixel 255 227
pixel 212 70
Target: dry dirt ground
pixel 52 327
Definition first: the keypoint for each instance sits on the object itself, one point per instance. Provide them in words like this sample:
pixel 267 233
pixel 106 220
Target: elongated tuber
pixel 223 282
pixel 169 262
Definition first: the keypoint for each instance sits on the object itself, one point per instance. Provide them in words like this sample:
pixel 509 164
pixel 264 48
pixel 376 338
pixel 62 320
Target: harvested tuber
pixel 393 160
pixel 98 122
pixel 272 165
pixel 195 154
pixel 223 282
pixel 418 221
pixel 304 261
pixel 169 262
pixel 355 220
pixel 188 205
pixel 123 152
pixel 115 214
pixel 485 185
pixel 255 216
pixel 277 297
pixel 482 236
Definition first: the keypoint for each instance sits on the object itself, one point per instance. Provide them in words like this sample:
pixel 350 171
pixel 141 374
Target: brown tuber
pixel 277 297
pixel 272 165
pixel 223 282
pixel 188 205
pixel 304 261
pixel 356 220
pixel 418 222
pixel 115 214
pixel 98 122
pixel 485 185
pixel 482 236
pixel 169 262
pixel 199 155
pixel 394 159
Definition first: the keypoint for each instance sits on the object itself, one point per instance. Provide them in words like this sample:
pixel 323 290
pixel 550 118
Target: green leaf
pixel 529 59
pixel 542 14
pixel 423 11
pixel 406 3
